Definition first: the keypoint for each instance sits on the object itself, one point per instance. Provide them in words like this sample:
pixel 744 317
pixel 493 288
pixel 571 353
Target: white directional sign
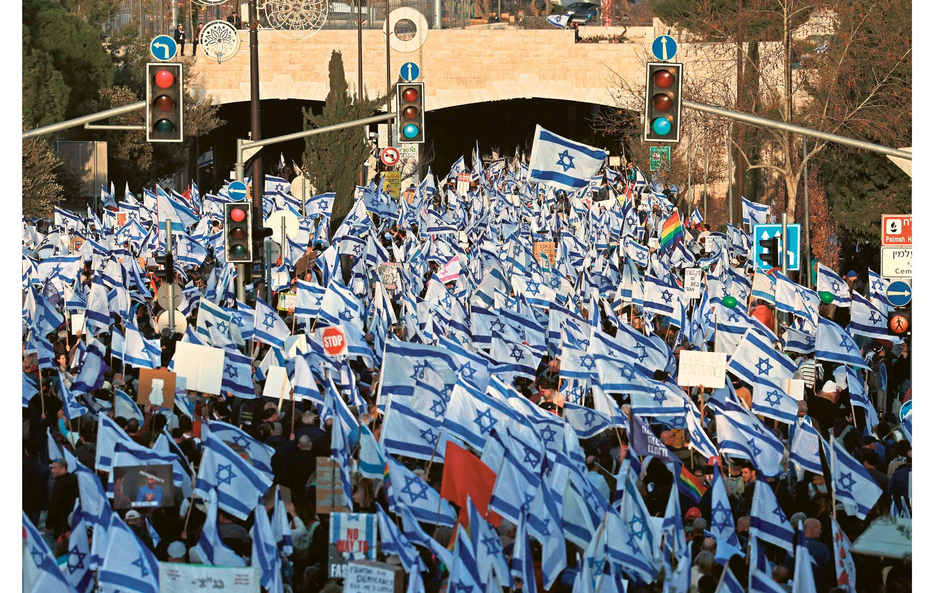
pixel 896 262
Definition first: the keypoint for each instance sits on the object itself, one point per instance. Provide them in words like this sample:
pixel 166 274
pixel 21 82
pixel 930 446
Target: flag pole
pixel 39 370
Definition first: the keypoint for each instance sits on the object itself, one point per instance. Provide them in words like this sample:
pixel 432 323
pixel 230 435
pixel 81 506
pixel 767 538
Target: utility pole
pixel 257 179
pixel 388 61
pixel 739 103
pixel 359 24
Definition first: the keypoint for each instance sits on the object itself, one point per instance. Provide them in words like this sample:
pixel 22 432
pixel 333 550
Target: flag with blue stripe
pixel 268 326
pixel 561 162
pixel 866 319
pixel 829 281
pixel 756 358
pixel 852 484
pixel 768 521
pixel 835 345
pixel 127 564
pixel 238 484
pixel 47 576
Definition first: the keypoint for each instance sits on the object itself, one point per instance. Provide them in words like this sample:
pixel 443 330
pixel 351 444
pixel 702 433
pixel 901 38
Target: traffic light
pixel 411 112
pixel 770 252
pixel 164 105
pixel 900 322
pixel 663 102
pixel 238 246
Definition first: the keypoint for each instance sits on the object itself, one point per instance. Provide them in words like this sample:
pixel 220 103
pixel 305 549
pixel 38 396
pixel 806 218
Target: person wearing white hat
pixel 824 408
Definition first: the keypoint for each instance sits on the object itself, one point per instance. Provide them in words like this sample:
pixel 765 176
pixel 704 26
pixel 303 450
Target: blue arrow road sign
pixel 409 71
pixel 237 191
pixel 762 232
pixel 664 47
pixel 899 293
pixel 904 410
pixel 163 48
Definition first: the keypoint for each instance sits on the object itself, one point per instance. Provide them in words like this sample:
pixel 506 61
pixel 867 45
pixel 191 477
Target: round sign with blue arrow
pixel 664 47
pixel 163 48
pixel 409 71
pixel 237 191
pixel 899 293
pixel 904 410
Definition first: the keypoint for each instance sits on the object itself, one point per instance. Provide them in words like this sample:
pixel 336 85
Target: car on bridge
pixel 582 12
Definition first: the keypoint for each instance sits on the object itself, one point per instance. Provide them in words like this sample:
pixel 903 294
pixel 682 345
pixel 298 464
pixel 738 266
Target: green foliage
pixel 41 189
pixel 861 187
pixel 332 161
pixel 75 52
pixel 45 94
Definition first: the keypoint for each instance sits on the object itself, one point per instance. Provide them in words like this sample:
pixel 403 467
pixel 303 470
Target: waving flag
pixel 866 319
pixel 210 548
pixel 562 163
pixel 854 487
pixel 264 555
pixel 754 213
pixel 47 575
pixel 239 485
pixel 722 519
pixel 756 358
pixel 835 345
pixel 170 208
pixel 829 281
pixel 768 521
pixel 268 326
pixel 243 444
pixel 127 564
pixel 410 491
pixel 672 232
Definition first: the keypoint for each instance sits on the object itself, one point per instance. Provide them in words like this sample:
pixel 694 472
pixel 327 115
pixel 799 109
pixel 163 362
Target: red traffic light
pixel 410 95
pixel 410 112
pixel 662 102
pixel 164 103
pixel 238 234
pixel 164 78
pixel 237 215
pixel 663 79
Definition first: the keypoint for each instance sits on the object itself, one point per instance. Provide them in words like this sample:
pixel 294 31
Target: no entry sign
pixel 389 156
pixel 334 342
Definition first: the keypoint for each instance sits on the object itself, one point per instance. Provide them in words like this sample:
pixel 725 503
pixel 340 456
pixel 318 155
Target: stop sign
pixel 334 341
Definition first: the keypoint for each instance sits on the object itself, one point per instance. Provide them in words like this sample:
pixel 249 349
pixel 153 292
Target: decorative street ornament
pixel 296 19
pixel 219 41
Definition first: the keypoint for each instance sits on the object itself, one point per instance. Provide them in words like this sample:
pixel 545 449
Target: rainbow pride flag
pixel 672 231
pixel 691 486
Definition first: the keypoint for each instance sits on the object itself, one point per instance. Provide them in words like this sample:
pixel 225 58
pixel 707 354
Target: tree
pixel 41 191
pixel 335 159
pixel 45 93
pixel 74 49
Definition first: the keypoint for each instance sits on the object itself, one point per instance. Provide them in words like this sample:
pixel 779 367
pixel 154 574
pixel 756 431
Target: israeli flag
pixel 210 548
pixel 563 163
pixel 805 450
pixel 829 281
pixel 320 205
pixel 309 299
pixel 797 341
pixel 45 574
pixel 125 407
pixel 238 484
pixel 268 327
pixel 771 401
pixel 394 542
pixel 243 443
pixel 410 492
pixel 754 213
pixel 835 345
pixel 756 358
pixel 854 487
pixel 866 319
pixel 170 208
pixel 558 20
pixel 768 521
pixel 695 219
pixel 264 556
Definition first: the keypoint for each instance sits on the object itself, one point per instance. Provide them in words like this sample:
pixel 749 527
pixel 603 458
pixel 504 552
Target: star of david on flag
pixel 561 162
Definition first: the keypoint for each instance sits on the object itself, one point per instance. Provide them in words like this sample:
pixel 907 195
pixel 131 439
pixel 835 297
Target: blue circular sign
pixel 237 191
pixel 409 71
pixel 664 47
pixel 163 48
pixel 899 293
pixel 904 410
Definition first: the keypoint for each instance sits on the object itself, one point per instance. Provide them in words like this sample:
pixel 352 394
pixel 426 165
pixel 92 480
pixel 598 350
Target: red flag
pixel 466 475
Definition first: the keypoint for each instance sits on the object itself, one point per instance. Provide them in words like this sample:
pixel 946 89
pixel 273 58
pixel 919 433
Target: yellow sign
pixel 392 183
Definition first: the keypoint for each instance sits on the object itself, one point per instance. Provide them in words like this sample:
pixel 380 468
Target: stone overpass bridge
pixel 459 66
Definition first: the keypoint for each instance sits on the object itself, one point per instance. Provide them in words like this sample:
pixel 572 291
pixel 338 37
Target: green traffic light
pixel 238 251
pixel 164 126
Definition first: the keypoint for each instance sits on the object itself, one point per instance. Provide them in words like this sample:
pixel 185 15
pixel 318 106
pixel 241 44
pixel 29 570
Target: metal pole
pixel 359 23
pixel 783 242
pixel 806 218
pixel 705 177
pixel 257 171
pixel 79 121
pixel 730 185
pixel 784 126
pixel 170 274
pixel 691 189
pixel 388 61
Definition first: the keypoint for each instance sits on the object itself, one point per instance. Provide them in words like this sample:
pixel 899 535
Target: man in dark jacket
pixel 35 482
pixel 301 467
pixel 63 498
pixel 85 452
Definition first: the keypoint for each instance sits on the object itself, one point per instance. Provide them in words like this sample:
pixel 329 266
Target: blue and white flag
pixel 835 345
pixel 695 219
pixel 521 565
pixel 210 548
pixel 797 341
pixel 268 327
pixel 771 401
pixel 756 358
pixel 558 20
pixel 487 548
pixel 41 573
pixel 866 319
pixel 754 213
pixel 175 210
pixel 309 299
pixel 563 163
pixel 722 519
pixel 127 565
pixel 853 485
pixel 264 555
pixel 320 205
pixel 243 444
pixel 239 485
pixel 805 449
pixel 768 521
pixel 125 407
pixel 585 421
pixel 71 406
pixel 78 567
pixel 464 570
pixel 411 492
pixel 829 281
pixel 393 542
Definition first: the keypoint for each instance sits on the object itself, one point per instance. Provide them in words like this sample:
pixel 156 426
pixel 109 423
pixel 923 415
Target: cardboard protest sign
pixel 369 576
pixel 156 387
pixel 702 368
pixel 202 366
pixel 389 274
pixel 277 385
pixel 693 283
pixel 191 578
pixel 794 388
pixel 352 536
pixel 287 301
pixel 330 496
pixel 545 252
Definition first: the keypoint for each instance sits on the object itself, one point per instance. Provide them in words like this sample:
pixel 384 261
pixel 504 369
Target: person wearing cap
pixel 825 407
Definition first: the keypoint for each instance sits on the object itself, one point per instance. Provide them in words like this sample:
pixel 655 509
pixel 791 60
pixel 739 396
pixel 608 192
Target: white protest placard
pixel 693 283
pixel 369 576
pixel 201 366
pixel 277 384
pixel 706 369
pixel 77 323
pixel 794 389
pixel 352 536
pixel 191 578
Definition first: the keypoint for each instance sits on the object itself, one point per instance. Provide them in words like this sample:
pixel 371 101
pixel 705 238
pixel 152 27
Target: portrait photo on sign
pixel 143 486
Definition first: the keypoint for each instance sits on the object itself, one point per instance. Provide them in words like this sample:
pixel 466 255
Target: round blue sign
pixel 163 48
pixel 904 410
pixel 237 191
pixel 409 71
pixel 664 47
pixel 899 293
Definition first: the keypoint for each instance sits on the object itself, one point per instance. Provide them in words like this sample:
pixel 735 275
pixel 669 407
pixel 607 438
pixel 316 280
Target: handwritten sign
pixel 188 578
pixel 156 387
pixel 693 283
pixel 702 368
pixel 352 536
pixel 369 576
pixel 389 274
pixel 545 252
